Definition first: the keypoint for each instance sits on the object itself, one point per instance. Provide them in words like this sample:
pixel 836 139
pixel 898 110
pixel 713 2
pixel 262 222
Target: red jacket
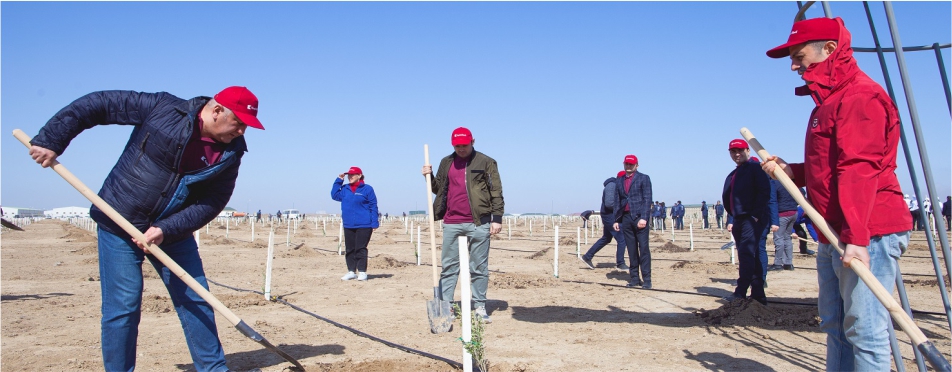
pixel 852 138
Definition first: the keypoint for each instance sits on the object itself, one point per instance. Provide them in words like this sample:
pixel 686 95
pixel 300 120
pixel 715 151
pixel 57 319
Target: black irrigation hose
pixel 406 349
pixel 919 312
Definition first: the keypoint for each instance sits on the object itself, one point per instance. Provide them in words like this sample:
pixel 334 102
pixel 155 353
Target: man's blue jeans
pixel 608 233
pixel 855 322
pixel 477 237
pixel 120 275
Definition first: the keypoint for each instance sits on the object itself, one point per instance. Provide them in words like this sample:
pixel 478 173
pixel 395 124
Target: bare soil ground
pixel 582 320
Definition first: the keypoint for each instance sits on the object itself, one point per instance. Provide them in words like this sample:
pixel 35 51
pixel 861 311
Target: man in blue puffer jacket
pixel 746 195
pixel 176 173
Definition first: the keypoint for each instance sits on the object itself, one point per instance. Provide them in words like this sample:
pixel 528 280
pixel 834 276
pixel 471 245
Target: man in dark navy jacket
pixel 746 194
pixel 631 218
pixel 176 173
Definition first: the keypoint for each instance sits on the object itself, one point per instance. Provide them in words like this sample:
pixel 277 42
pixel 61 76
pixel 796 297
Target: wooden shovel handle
pixel 821 224
pixel 430 217
pixel 135 233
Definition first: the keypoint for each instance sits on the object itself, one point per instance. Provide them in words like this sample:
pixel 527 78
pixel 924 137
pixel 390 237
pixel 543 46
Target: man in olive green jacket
pixel 469 201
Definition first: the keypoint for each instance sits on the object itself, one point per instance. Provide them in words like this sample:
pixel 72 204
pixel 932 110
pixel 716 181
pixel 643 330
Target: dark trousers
pixel 747 235
pixel 680 222
pixel 798 228
pixel 763 249
pixel 608 233
pixel 707 225
pixel 916 220
pixel 355 242
pixel 719 218
pixel 639 256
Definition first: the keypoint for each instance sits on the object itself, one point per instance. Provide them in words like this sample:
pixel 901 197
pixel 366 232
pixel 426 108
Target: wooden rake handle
pixel 158 253
pixel 895 310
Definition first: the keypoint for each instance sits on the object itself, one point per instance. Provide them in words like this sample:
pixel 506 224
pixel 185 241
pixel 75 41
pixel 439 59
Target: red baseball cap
pixel 738 144
pixel 243 103
pixel 354 170
pixel 462 136
pixel 621 173
pixel 808 30
pixel 631 159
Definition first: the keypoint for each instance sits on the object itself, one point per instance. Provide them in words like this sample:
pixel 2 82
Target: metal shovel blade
pixel 10 225
pixel 440 314
pixel 727 246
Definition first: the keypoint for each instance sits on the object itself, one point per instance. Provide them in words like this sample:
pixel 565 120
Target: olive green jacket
pixel 483 188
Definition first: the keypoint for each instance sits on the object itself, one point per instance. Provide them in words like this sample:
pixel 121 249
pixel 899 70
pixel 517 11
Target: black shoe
pixel 647 285
pixel 588 263
pixel 765 283
pixel 633 285
pixel 774 268
pixel 731 298
pixel 808 252
pixel 623 267
pixel 788 267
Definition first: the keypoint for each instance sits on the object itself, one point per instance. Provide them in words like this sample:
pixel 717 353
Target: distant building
pixel 17 212
pixel 66 212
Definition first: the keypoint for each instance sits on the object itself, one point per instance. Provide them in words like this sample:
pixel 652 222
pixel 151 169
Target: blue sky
pixel 557 93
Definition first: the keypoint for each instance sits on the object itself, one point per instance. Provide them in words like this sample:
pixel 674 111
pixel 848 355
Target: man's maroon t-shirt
pixel 200 152
pixel 457 201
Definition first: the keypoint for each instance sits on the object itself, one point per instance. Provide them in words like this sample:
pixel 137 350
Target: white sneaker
pixel 481 311
pixel 350 275
pixel 362 276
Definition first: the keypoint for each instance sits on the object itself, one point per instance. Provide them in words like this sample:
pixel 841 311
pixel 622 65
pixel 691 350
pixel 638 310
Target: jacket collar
pixel 832 74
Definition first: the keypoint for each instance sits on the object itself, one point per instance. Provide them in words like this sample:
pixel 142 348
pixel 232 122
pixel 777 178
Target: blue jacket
pixel 802 218
pixel 656 210
pixel 677 211
pixel 638 199
pixel 146 186
pixel 704 209
pixel 358 208
pixel 751 192
pixel 785 202
pixel 719 210
pixel 609 200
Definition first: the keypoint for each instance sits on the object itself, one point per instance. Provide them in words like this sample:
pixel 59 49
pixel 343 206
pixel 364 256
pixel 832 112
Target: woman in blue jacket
pixel 359 213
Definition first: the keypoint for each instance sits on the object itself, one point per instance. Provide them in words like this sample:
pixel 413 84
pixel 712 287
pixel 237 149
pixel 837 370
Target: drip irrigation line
pixel 920 312
pixel 406 349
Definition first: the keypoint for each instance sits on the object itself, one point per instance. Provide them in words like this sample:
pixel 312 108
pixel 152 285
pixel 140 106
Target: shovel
pixel 439 311
pixel 10 225
pixel 239 324
pixel 919 340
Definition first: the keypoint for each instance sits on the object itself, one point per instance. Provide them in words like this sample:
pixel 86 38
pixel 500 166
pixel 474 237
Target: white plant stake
pixel 691 230
pixel 252 231
pixel 288 242
pixel 672 231
pixel 197 241
pixel 509 229
pixel 555 257
pixel 530 227
pixel 466 295
pixel 732 250
pixel 340 239
pixel 418 245
pixel 578 241
pixel 267 273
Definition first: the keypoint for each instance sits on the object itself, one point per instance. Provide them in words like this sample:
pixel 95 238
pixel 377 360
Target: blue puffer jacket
pixel 785 202
pixel 609 200
pixel 146 186
pixel 358 208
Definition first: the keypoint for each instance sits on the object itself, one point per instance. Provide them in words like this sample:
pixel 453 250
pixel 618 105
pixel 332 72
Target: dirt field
pixel 584 320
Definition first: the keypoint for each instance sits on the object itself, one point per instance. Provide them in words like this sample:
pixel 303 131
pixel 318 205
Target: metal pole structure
pixel 945 77
pixel 904 301
pixel 920 140
pixel 826 9
pixel 912 170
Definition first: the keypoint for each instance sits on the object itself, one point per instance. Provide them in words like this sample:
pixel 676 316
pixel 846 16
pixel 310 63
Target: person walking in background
pixel 677 212
pixel 719 214
pixel 787 216
pixel 849 171
pixel 585 215
pixel 609 201
pixel 803 234
pixel 664 215
pixel 631 218
pixel 202 139
pixel 704 214
pixel 258 216
pixel 278 215
pixel 746 194
pixel 656 216
pixel 947 212
pixel 359 214
pixel 469 201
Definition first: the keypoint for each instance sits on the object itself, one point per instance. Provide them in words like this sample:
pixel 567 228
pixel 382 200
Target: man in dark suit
pixel 631 218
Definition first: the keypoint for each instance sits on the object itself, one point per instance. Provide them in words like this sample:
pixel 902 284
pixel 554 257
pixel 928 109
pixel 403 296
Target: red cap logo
pixel 243 103
pixel 354 170
pixel 462 136
pixel 631 159
pixel 738 144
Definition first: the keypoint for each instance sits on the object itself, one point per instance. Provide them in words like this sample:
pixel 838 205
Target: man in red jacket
pixel 849 172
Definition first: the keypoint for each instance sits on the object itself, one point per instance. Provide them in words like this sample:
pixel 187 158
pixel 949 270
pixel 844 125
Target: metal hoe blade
pixel 10 225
